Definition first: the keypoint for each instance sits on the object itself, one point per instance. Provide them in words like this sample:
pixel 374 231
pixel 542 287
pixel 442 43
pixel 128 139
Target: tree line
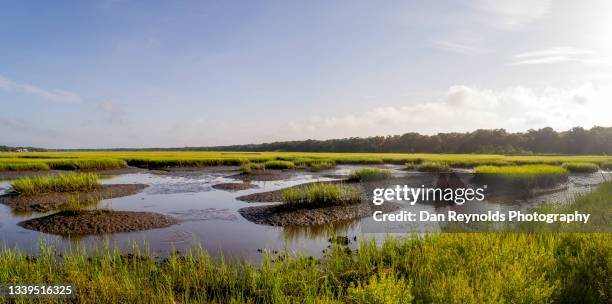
pixel 594 141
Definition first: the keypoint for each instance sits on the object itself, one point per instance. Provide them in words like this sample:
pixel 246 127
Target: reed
pixel 23 166
pixel 368 174
pixel 435 268
pixel 279 164
pixel 581 167
pixel 521 177
pixel 433 167
pixel 321 194
pixel 71 182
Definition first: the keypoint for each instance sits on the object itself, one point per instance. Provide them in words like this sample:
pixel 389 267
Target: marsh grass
pixel 162 159
pixel 320 165
pixel 359 160
pixel 368 174
pixel 581 167
pixel 279 164
pixel 411 166
pixel 23 166
pixel 435 268
pixel 321 195
pixel 72 182
pixel 521 177
pixel 87 164
pixel 248 168
pixel 184 162
pixel 606 166
pixel 314 164
pixel 433 167
pixel 595 203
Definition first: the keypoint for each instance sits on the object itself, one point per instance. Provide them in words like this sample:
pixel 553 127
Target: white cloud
pixel 58 96
pixel 559 55
pixel 465 108
pixel 514 14
pixel 460 48
pixel 555 51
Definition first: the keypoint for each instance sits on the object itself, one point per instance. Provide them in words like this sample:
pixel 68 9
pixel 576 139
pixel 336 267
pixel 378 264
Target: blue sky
pixel 93 74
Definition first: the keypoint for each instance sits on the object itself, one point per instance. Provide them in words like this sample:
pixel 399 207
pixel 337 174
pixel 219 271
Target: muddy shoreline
pixel 279 215
pixel 233 187
pixel 56 200
pixel 87 222
pixel 263 176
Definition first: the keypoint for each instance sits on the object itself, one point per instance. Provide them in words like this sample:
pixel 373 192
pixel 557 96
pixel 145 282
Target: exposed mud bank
pixel 86 222
pixel 279 215
pixel 266 175
pixel 232 187
pixel 55 200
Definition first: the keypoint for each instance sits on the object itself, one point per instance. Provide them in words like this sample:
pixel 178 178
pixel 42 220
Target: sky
pixel 121 73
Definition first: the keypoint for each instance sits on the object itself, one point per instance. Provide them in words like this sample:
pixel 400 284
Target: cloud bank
pixel 465 108
pixel 58 96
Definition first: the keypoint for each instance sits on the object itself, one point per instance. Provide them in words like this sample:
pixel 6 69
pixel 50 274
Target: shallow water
pixel 210 217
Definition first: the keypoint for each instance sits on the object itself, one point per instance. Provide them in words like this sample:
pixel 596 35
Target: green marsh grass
pixel 185 162
pixel 435 268
pixel 249 167
pixel 581 167
pixel 321 194
pixel 23 166
pixel 606 166
pixel 595 203
pixel 522 177
pixel 366 174
pixel 320 165
pixel 314 164
pixel 411 166
pixel 161 159
pixel 433 167
pixel 87 164
pixel 279 164
pixel 71 182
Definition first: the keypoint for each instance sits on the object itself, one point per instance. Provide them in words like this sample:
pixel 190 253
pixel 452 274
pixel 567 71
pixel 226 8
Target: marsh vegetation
pixel 321 195
pixel 71 182
pixel 521 178
pixel 433 167
pixel 582 167
pixel 369 174
pixel 448 268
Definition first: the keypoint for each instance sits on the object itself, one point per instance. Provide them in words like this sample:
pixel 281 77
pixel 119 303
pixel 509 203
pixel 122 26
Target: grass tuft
pixel 279 164
pixel 71 182
pixel 367 174
pixel 87 164
pixel 522 177
pixel 322 195
pixel 581 167
pixel 23 166
pixel 249 167
pixel 433 167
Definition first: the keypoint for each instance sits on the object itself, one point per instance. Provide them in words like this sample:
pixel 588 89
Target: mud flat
pixel 27 173
pixel 280 215
pixel 55 200
pixel 86 222
pixel 232 187
pixel 267 175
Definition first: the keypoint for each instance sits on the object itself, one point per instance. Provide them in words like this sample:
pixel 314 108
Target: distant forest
pixel 16 149
pixel 596 141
